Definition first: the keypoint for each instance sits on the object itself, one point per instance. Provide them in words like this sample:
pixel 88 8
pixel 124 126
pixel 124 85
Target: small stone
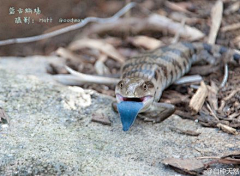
pixel 100 118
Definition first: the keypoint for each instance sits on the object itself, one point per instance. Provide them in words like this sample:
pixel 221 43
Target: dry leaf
pixel 227 129
pixel 185 31
pixel 190 166
pixel 181 7
pixel 216 17
pixel 113 41
pixel 198 98
pixel 97 44
pixel 232 158
pixel 176 16
pixel 196 167
pixel 187 132
pixel 212 95
pixel 145 42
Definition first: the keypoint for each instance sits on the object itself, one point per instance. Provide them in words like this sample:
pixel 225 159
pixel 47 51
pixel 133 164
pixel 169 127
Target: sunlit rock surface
pixel 51 133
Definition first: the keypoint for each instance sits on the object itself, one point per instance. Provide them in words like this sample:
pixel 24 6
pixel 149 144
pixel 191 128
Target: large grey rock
pixel 51 132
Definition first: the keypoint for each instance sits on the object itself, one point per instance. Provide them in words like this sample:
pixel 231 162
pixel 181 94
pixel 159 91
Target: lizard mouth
pixel 138 99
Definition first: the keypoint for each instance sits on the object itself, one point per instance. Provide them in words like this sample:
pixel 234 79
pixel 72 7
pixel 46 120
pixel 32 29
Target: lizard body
pixel 143 78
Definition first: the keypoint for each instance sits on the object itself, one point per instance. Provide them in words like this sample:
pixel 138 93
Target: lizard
pixel 145 77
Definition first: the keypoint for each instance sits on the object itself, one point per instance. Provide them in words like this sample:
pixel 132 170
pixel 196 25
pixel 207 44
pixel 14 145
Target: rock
pixel 51 133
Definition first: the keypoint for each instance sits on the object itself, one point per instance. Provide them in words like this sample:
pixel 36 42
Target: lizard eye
pixel 121 85
pixel 145 87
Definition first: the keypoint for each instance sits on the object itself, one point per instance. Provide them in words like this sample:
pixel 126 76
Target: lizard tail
pixel 221 50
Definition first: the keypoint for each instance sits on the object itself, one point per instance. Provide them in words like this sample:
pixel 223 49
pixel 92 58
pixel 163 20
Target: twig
pixel 208 157
pixel 69 28
pixel 231 94
pixel 92 79
pixel 176 7
pixel 233 115
pixel 222 105
pixel 69 80
pixel 212 112
pixel 154 22
pixel 186 132
pixel 230 27
pixel 224 81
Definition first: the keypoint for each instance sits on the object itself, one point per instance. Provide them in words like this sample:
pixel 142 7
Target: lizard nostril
pixel 135 94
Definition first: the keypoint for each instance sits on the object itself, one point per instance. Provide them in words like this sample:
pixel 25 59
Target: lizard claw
pixel 146 119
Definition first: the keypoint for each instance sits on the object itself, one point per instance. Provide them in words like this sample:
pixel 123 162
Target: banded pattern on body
pixel 145 77
pixel 165 65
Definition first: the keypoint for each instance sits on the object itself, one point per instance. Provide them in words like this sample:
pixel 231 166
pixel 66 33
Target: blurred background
pixel 78 9
pixel 197 10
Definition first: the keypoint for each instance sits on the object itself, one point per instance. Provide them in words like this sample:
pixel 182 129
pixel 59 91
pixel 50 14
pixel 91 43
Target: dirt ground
pixel 200 9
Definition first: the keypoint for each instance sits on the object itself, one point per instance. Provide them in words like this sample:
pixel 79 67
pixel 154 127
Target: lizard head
pixel 135 89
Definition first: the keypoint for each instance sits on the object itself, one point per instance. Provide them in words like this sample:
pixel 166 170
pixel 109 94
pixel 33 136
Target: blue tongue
pixel 128 111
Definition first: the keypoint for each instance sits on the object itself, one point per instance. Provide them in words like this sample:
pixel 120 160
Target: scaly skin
pixel 145 77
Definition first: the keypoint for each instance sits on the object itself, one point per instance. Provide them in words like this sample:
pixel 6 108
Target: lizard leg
pixel 114 106
pixel 207 57
pixel 158 112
